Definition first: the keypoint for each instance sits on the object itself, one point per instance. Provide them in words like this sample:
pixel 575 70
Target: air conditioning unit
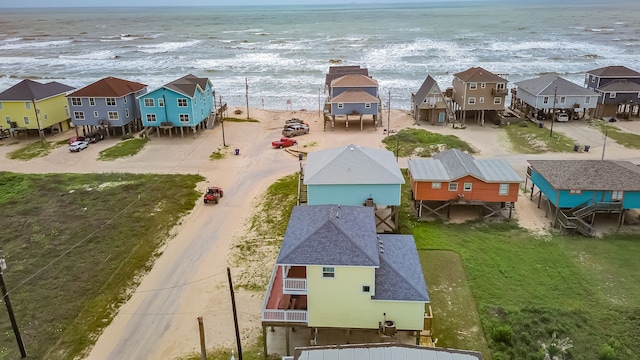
pixel 389 328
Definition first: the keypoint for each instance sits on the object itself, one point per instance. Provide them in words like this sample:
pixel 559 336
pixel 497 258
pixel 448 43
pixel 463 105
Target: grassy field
pixel 73 243
pixel 34 150
pixel 231 119
pixel 528 138
pixel 122 149
pixel 423 143
pixel 628 140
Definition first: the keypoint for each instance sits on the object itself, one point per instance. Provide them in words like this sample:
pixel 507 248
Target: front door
pixel 441 117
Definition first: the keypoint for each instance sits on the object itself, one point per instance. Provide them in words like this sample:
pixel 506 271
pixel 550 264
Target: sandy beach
pixel 189 278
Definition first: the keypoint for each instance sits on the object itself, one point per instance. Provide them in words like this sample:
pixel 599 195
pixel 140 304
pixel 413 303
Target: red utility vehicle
pixel 284 142
pixel 213 194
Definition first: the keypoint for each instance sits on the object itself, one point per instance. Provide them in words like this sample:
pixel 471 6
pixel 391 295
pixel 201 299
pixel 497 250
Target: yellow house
pixel 32 105
pixel 334 271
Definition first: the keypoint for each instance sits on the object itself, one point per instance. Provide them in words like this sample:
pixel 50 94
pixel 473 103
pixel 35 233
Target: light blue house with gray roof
pixel 355 175
pixel 335 271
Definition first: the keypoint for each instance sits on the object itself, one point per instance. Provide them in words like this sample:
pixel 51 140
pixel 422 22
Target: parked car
pixel 213 194
pixel 78 146
pixel 74 139
pixel 284 142
pixel 562 116
pixel 293 121
pixel 295 130
pixel 93 137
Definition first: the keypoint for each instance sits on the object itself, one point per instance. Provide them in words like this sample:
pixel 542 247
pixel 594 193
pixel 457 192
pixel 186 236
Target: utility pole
pixel 36 111
pixel 246 92
pixel 222 122
pixel 604 145
pixel 553 113
pixel 319 103
pixel 7 302
pixel 235 314
pixel 389 115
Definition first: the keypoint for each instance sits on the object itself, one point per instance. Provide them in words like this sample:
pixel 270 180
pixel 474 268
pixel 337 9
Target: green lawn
pixel 423 143
pixel 528 138
pixel 34 150
pixel 73 244
pixel 628 140
pixel 124 148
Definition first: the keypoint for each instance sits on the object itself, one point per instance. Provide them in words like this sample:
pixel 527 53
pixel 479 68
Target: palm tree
pixel 557 348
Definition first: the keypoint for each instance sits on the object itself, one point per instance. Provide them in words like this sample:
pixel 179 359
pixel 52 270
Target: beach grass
pixel 34 150
pixel 124 148
pixel 217 155
pixel 231 119
pixel 72 256
pixel 628 140
pixel 419 142
pixel 529 138
pixel 251 352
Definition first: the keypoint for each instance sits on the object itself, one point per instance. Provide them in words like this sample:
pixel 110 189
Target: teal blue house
pixel 577 190
pixel 355 175
pixel 183 103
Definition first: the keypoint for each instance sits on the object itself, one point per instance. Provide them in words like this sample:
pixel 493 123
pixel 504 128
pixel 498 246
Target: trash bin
pixel 576 148
pixel 300 156
pixel 586 148
pixel 237 151
pixel 541 124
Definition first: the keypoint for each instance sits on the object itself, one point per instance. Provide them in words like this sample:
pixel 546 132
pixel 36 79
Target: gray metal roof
pixel 399 276
pixel 620 86
pixel 32 90
pixel 548 85
pixel 382 351
pixel 330 235
pixel 454 164
pixel 352 164
pixel 614 71
pixel 589 174
pixel 424 90
pixel 187 85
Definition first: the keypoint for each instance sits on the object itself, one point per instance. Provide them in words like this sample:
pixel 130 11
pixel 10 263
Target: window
pixel 617 195
pixel 593 79
pixel 366 288
pixel 563 99
pixel 473 86
pixel 27 105
pixel 113 115
pixel 111 101
pixel 340 106
pixel 161 102
pixel 472 100
pixel 497 100
pixel 46 116
pixel 587 99
pixel 8 118
pixel 575 192
pixel 126 113
pixel 95 114
pixel 436 185
pixel 26 120
pixel 328 272
pixel 467 186
pixel 545 100
pixel 367 105
pixel 78 115
pixel 151 117
pixel 453 186
pixel 612 95
pixel 184 117
pixel 182 102
pixel 483 85
pixel 149 102
pixel 482 100
pixel 92 101
pixel 500 86
pixel 504 189
pixel 125 99
pixel 76 101
pixel 0 106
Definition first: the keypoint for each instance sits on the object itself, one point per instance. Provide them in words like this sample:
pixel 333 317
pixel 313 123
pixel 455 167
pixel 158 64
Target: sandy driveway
pixel 189 278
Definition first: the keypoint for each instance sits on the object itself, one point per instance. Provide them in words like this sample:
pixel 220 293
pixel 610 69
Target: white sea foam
pixel 95 55
pixel 34 44
pixel 166 46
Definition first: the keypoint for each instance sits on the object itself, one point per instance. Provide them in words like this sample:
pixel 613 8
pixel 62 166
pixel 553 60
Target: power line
pixel 179 285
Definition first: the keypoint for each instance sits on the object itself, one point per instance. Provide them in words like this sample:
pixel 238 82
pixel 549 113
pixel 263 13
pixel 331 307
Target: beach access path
pixel 188 280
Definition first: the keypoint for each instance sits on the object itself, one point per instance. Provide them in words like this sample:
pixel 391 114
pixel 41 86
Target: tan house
pixel 479 94
pixel 429 104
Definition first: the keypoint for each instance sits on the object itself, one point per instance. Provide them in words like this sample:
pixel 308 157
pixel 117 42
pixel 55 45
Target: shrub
pixel 503 334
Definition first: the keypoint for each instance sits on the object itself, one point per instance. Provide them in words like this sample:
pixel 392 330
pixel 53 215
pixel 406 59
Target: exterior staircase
pixel 211 120
pixel 573 218
pixel 451 115
pixel 303 196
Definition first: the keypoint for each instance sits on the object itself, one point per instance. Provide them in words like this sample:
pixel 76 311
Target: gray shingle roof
pixel 399 276
pixel 354 80
pixel 382 351
pixel 352 164
pixel 330 235
pixel 548 85
pixel 32 90
pixel 188 84
pixel 454 164
pixel 424 90
pixel 620 86
pixel 355 96
pixel 338 71
pixel 589 174
pixel 478 74
pixel 614 71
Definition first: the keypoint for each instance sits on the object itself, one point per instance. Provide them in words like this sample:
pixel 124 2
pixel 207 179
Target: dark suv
pixel 93 137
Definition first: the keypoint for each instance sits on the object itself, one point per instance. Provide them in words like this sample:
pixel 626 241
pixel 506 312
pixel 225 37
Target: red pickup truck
pixel 284 142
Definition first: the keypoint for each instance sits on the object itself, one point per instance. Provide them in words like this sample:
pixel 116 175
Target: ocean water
pixel 284 52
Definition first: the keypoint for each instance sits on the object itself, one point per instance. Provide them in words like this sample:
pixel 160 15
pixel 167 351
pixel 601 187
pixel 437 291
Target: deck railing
pixel 273 315
pixel 295 286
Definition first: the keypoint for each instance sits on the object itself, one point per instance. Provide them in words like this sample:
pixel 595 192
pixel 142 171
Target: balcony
pixel 286 298
pixel 499 92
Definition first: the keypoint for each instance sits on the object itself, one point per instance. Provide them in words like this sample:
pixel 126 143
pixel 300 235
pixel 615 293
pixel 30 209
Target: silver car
pixel 78 146
pixel 295 130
